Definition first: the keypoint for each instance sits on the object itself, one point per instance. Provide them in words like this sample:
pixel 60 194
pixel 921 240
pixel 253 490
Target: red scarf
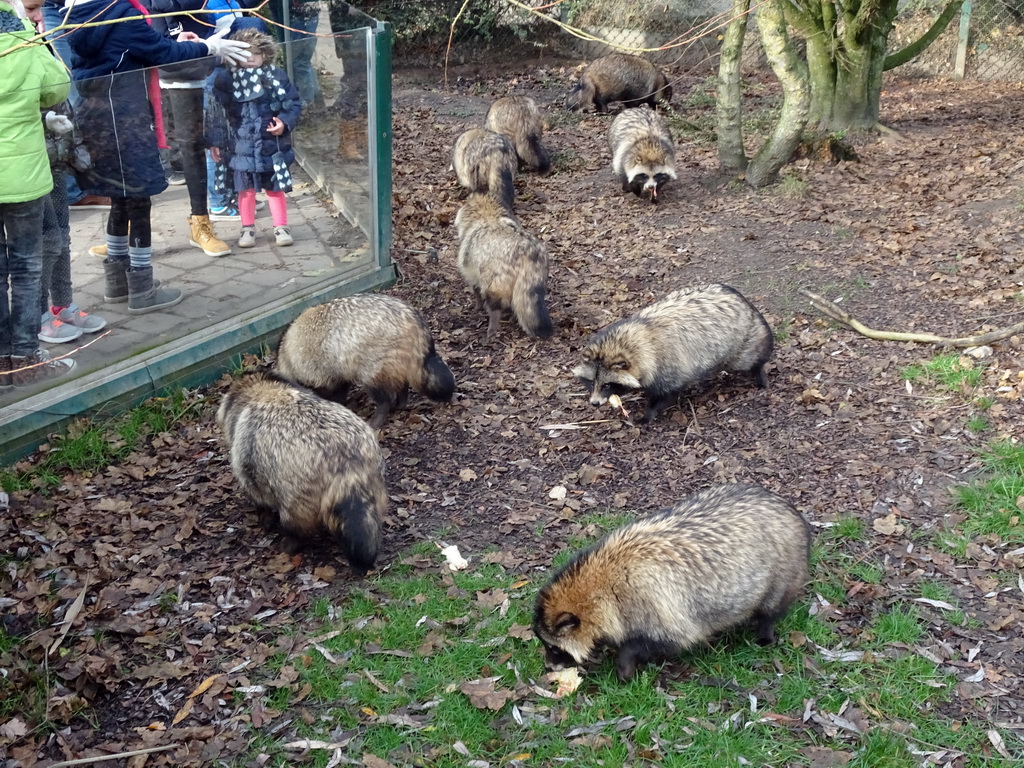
pixel 154 89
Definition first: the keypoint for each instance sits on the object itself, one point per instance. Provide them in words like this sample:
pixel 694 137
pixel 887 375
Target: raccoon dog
pixel 376 341
pixel 722 557
pixel 306 463
pixel 643 156
pixel 518 118
pixel 485 161
pixel 619 77
pixel 676 343
pixel 505 265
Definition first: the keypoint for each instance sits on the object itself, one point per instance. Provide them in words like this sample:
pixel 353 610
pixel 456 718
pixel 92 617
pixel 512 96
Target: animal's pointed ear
pixel 565 623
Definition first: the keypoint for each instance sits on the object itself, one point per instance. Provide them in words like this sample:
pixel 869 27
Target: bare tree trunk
pixel 796 96
pixel 728 104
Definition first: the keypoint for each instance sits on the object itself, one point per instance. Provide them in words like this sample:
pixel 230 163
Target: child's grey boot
pixel 145 293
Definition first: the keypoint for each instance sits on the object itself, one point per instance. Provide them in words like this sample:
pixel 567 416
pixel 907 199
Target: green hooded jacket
pixel 30 78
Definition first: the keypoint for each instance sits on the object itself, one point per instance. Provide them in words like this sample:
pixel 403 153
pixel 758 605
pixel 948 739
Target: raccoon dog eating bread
pixel 308 464
pixel 726 556
pixel 674 344
pixel 643 156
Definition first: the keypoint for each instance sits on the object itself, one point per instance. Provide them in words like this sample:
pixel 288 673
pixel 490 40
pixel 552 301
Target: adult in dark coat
pixel 117 121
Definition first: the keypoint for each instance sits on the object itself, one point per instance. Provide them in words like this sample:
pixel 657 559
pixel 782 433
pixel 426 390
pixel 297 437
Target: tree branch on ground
pixel 829 308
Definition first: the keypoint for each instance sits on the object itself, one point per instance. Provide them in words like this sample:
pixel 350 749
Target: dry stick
pixel 118 756
pixel 833 311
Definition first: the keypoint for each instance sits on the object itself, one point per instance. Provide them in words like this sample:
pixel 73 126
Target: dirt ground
pixel 923 234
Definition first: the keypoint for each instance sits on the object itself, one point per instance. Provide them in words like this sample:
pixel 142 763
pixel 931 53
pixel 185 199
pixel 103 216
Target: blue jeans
pixel 21 269
pixel 301 50
pixel 53 17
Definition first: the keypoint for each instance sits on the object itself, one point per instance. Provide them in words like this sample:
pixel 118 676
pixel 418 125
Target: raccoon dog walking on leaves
pixel 375 341
pixel 676 343
pixel 308 464
pixel 505 265
pixel 643 156
pixel 485 161
pixel 518 118
pixel 619 77
pixel 725 556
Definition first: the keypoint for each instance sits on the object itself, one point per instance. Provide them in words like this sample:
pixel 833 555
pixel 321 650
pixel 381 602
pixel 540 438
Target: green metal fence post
pixel 381 138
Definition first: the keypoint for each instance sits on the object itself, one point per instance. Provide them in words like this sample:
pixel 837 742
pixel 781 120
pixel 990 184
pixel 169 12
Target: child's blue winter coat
pixel 247 144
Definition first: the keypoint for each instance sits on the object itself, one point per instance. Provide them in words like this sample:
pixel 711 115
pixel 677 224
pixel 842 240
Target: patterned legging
pixel 55 284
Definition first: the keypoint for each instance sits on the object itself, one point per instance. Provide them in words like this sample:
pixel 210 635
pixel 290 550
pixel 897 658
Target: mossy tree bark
pixel 846 44
pixel 796 96
pixel 728 104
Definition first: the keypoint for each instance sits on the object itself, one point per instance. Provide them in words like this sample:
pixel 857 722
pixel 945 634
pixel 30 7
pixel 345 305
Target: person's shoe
pixel 72 315
pixel 5 372
pixel 247 239
pixel 201 236
pixel 283 236
pixel 99 251
pixel 53 330
pixel 261 204
pixel 144 295
pixel 32 369
pixel 176 178
pixel 91 201
pixel 225 213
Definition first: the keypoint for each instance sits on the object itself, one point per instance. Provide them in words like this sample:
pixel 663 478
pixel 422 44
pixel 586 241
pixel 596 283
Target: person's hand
pixel 58 124
pixel 276 126
pixel 215 154
pixel 188 37
pixel 233 50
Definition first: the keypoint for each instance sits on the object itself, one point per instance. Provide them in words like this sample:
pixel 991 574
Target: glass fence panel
pixel 144 230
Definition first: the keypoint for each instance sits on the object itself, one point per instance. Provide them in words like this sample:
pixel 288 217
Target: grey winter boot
pixel 144 295
pixel 116 289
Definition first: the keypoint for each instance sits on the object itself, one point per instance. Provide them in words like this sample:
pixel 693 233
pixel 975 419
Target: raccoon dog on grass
pixel 485 161
pixel 643 156
pixel 676 343
pixel 722 557
pixel 619 77
pixel 518 118
pixel 307 464
pixel 375 341
pixel 505 265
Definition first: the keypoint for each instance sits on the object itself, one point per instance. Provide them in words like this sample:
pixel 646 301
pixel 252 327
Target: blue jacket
pixel 114 113
pixel 248 145
pixel 124 46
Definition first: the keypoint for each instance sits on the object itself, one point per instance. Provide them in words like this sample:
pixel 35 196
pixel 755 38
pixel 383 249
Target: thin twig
pixel 117 756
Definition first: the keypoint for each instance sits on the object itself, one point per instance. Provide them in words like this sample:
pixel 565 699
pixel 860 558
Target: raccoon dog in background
pixel 643 156
pixel 676 343
pixel 308 464
pixel 375 341
pixel 518 118
pixel 485 161
pixel 505 265
pixel 720 558
pixel 619 77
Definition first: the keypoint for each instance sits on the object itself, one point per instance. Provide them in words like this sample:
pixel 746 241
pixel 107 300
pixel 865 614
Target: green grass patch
pixel 408 662
pixel 950 372
pixel 90 445
pixel 992 503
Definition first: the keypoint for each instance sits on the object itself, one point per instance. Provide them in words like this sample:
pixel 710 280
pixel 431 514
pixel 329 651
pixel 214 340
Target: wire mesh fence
pixel 985 41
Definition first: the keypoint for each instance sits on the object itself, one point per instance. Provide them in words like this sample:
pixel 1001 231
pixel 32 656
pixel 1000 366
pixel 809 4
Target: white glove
pixel 234 50
pixel 58 124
